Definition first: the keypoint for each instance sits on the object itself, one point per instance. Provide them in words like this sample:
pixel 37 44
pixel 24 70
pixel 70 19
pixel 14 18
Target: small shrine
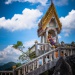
pixel 49 24
pixel 48 29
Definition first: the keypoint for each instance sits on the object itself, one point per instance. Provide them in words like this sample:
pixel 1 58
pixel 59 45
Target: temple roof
pixel 48 16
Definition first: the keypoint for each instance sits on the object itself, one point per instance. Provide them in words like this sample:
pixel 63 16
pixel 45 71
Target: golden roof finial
pixel 51 1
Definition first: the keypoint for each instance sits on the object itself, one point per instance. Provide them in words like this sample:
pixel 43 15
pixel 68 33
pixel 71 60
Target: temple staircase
pixel 44 62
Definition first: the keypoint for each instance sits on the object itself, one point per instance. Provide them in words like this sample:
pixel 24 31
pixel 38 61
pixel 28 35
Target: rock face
pixel 71 61
pixel 62 68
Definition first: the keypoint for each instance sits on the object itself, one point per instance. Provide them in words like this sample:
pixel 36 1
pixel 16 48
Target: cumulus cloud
pixel 31 1
pixel 66 35
pixel 42 2
pixel 27 20
pixel 61 2
pixel 68 22
pixel 29 43
pixel 59 37
pixel 9 54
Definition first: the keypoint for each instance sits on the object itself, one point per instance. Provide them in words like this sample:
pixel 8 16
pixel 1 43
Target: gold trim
pixel 51 12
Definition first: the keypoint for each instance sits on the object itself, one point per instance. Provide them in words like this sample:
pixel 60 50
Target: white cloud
pixel 59 37
pixel 66 35
pixel 56 2
pixel 43 2
pixel 29 43
pixel 43 8
pixel 68 22
pixel 27 20
pixel 9 54
pixel 61 2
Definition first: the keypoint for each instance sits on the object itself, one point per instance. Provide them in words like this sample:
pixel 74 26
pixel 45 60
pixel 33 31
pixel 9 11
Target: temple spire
pixel 51 1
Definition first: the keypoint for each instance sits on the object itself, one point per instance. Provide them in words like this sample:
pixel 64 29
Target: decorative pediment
pixel 48 16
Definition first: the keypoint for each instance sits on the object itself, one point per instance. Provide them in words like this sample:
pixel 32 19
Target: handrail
pixel 59 48
pixel 42 43
pixel 6 71
pixel 38 58
pixel 29 68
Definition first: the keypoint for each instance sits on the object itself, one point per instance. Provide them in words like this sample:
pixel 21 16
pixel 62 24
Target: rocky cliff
pixel 71 61
pixel 63 67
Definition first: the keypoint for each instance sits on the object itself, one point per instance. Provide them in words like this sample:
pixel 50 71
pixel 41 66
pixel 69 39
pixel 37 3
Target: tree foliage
pixel 18 64
pixel 72 42
pixel 19 43
pixel 25 55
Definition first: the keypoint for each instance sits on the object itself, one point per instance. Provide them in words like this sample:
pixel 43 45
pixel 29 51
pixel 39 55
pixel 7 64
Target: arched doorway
pixel 53 34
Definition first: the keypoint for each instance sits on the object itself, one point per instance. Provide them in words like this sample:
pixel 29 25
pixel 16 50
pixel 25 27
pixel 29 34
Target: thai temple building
pixel 45 54
pixel 48 25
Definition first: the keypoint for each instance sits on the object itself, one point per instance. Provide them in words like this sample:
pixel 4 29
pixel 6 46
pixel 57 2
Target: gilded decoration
pixel 49 14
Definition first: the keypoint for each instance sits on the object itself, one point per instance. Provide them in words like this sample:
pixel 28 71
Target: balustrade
pixel 6 72
pixel 48 57
pixel 42 48
pixel 44 59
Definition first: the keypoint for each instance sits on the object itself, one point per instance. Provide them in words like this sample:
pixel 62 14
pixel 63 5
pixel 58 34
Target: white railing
pixel 48 57
pixel 42 48
pixel 6 72
pixel 44 59
pixel 37 62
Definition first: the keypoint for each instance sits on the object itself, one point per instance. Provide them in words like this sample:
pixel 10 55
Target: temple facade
pixel 49 24
pixel 48 29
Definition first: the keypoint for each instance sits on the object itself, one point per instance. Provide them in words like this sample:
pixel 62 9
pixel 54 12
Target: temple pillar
pixel 36 48
pixel 24 71
pixel 57 41
pixel 42 60
pixel 38 63
pixel 33 66
pixel 41 39
pixel 46 36
pixel 18 72
pixel 28 68
pixel 9 73
pixel 5 73
pixel 1 73
pixel 71 51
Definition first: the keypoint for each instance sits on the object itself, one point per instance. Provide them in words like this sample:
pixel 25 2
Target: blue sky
pixel 19 22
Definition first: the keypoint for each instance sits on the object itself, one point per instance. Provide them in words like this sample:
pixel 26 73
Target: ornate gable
pixel 47 17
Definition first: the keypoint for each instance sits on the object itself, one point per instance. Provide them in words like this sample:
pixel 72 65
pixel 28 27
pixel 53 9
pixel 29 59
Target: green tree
pixel 19 43
pixel 18 64
pixel 73 43
pixel 25 55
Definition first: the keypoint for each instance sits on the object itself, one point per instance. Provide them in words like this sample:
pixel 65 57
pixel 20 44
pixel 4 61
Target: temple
pixel 48 29
pixel 50 23
pixel 44 55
